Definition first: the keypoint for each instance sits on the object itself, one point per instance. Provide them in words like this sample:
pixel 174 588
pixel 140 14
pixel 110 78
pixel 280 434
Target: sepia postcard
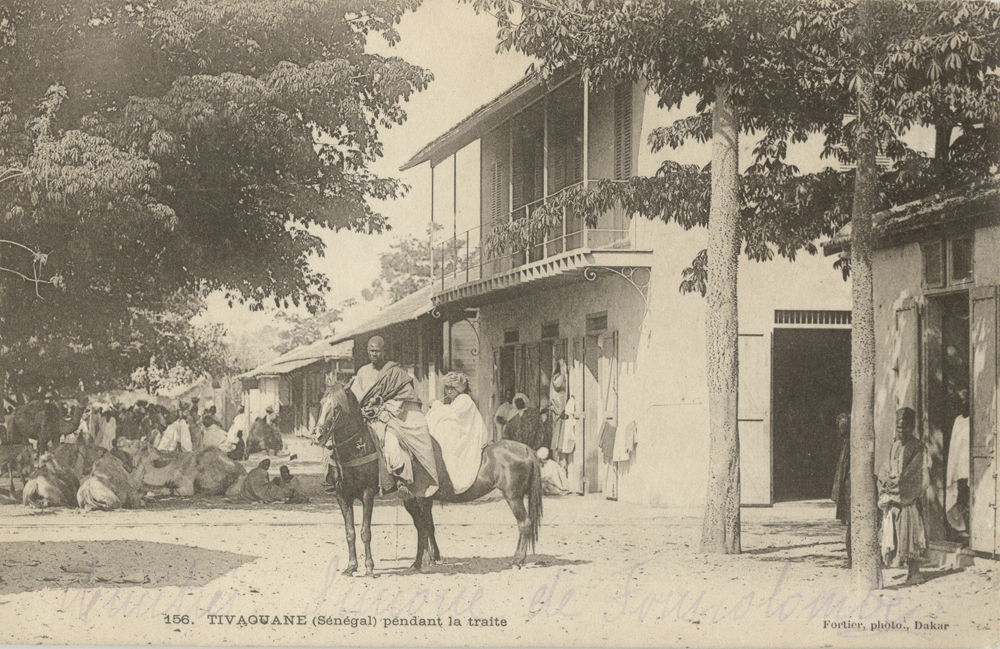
pixel 509 323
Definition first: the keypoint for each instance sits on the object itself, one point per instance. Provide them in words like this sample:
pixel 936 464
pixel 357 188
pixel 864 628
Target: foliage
pixel 406 268
pixel 302 330
pixel 149 147
pixel 938 74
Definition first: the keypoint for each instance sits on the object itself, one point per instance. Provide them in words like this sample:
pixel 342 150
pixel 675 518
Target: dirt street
pixel 205 571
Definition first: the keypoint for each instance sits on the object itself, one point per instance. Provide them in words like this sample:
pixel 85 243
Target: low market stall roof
pixel 407 309
pixel 321 350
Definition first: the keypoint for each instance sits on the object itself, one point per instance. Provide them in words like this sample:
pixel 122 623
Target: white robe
pixel 213 436
pixel 958 460
pixel 176 433
pixel 460 430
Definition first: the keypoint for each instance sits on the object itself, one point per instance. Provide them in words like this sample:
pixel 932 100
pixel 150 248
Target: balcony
pixel 467 276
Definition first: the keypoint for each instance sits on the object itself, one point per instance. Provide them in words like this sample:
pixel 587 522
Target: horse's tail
pixel 534 500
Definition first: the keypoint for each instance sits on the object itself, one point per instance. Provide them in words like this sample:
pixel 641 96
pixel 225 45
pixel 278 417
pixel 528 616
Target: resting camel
pixel 207 471
pixel 51 485
pixel 16 457
pixel 43 422
pixel 108 487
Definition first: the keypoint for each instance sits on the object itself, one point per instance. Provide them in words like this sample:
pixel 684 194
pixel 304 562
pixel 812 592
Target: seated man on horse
pixel 460 430
pixel 393 411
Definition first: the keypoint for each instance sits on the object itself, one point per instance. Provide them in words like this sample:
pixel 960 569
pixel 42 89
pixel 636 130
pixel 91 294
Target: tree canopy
pixel 155 147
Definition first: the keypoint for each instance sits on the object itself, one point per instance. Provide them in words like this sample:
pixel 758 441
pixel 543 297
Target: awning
pixel 321 350
pixel 407 309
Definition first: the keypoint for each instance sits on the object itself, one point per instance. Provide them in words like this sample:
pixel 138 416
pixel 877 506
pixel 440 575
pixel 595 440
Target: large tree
pixel 150 148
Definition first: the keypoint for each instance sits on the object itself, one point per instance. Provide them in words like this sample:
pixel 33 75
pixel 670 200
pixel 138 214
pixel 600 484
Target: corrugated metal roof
pixel 409 308
pixel 321 350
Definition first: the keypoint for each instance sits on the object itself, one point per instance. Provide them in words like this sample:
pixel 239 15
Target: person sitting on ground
pixel 460 431
pixel 257 486
pixel 554 479
pixel 903 536
pixel 298 494
pixel 212 434
pixel 239 452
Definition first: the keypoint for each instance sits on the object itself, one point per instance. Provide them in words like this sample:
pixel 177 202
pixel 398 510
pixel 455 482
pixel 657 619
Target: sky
pixel 459 47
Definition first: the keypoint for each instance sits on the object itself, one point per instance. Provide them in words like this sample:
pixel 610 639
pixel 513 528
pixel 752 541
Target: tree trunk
pixel 942 141
pixel 864 496
pixel 720 532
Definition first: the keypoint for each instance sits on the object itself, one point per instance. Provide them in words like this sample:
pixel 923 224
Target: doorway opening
pixel 811 385
pixel 946 354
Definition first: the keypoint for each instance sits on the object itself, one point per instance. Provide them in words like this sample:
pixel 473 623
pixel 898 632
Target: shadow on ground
pixel 34 565
pixel 485 565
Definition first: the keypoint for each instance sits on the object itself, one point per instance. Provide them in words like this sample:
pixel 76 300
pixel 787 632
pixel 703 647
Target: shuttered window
pixel 495 187
pixel 623 131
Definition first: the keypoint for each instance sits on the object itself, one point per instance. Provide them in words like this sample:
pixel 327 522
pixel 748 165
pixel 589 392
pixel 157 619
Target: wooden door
pixel 906 356
pixel 752 420
pixel 608 478
pixel 983 487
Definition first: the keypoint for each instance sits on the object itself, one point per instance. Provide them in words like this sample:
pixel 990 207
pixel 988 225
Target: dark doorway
pixel 811 385
pixel 946 349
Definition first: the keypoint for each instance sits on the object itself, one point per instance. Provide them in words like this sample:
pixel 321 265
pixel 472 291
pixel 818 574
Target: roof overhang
pixel 408 309
pixel 487 117
pixel 969 207
pixel 547 274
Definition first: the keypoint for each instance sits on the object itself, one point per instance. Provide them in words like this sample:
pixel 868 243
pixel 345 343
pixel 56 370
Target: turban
pixel 456 380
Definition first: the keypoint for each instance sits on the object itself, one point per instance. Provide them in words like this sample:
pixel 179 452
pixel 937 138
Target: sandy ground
pixel 204 571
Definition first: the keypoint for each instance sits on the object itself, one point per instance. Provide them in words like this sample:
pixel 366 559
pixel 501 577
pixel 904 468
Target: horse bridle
pixel 356 439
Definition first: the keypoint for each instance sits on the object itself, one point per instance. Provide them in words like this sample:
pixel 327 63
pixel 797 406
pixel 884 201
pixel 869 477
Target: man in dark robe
pixel 257 486
pixel 393 410
pixel 841 493
pixel 903 535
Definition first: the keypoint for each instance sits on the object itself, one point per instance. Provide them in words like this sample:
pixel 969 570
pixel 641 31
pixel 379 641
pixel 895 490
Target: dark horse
pixel 509 466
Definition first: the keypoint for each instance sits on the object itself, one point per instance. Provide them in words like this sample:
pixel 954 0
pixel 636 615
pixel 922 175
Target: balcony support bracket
pixel 630 274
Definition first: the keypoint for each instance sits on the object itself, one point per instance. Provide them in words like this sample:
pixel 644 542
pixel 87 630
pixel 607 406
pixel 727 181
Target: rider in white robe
pixel 460 430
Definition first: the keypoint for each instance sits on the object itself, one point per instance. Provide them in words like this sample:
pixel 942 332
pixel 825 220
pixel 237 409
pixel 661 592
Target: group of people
pixel 902 485
pixel 552 430
pixel 188 428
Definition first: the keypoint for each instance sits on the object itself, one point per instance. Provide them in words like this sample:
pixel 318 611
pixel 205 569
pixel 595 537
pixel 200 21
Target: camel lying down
pixel 208 472
pixel 51 485
pixel 108 487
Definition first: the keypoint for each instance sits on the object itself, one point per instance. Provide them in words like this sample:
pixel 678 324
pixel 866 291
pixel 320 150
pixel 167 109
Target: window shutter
pixel 623 131
pixel 985 422
pixel 906 355
pixel 577 170
pixel 557 175
pixel 538 167
pixel 496 191
pixel 517 178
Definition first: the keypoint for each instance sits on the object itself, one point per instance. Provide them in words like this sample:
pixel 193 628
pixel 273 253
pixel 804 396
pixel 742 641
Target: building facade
pixel 604 301
pixel 293 384
pixel 936 270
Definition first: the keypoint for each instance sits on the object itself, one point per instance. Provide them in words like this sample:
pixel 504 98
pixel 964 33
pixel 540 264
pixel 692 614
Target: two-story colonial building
pixel 605 300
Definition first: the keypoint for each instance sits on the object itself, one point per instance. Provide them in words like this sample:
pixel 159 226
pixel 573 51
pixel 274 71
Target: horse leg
pixel 347 510
pixel 523 526
pixel 368 503
pixel 413 507
pixel 434 553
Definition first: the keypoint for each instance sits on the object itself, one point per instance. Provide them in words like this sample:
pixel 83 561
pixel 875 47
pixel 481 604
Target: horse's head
pixel 337 405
